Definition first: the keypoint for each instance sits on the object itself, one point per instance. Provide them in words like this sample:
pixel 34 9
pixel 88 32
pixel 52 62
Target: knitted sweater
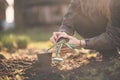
pixel 99 32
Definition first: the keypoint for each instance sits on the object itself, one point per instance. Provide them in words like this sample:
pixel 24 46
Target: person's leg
pixel 109 53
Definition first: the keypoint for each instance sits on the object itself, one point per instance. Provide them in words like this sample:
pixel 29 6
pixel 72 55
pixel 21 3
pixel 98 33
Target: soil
pixel 73 67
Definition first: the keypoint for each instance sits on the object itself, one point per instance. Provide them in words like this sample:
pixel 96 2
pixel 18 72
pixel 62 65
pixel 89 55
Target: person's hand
pixel 56 36
pixel 73 41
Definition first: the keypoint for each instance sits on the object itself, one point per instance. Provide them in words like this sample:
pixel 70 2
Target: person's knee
pixel 109 52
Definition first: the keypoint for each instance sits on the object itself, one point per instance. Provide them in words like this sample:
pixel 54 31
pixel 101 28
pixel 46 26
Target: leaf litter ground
pixel 74 67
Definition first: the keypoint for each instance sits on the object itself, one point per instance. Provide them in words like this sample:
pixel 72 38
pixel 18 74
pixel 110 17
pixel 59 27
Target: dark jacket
pixel 97 30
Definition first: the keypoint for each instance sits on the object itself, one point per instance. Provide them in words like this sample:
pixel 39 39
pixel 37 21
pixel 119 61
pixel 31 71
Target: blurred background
pixel 25 29
pixel 29 20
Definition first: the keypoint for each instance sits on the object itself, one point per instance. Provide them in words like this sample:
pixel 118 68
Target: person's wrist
pixel 77 44
pixel 82 43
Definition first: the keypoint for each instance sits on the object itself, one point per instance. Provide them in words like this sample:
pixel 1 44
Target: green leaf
pixel 50 48
pixel 61 42
pixel 59 48
pixel 68 45
pixel 73 45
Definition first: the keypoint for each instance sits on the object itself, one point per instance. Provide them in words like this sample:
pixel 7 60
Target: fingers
pixel 65 35
pixel 52 40
pixel 54 37
pixel 57 35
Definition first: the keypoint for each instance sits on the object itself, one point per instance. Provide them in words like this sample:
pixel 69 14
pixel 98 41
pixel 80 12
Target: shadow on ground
pixel 90 69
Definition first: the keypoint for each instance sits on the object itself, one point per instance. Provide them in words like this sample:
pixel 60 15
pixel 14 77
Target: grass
pixel 35 34
pixel 39 36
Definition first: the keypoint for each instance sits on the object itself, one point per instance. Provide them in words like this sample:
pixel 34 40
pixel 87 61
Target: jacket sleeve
pixel 110 38
pixel 68 20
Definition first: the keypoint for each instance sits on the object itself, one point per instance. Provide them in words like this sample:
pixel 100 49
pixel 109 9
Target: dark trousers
pixel 109 53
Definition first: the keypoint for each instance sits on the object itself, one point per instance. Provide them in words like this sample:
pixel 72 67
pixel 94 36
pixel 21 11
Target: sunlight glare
pixel 10 2
pixel 10 14
pixel 10 11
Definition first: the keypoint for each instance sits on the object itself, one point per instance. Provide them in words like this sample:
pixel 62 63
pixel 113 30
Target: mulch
pixel 74 67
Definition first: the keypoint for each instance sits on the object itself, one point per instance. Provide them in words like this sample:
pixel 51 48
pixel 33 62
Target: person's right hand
pixel 56 36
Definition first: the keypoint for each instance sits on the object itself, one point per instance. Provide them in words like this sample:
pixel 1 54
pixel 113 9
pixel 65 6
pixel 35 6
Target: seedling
pixel 45 58
pixel 60 43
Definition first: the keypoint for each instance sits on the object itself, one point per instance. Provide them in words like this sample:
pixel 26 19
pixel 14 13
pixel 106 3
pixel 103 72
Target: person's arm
pixel 68 20
pixel 111 38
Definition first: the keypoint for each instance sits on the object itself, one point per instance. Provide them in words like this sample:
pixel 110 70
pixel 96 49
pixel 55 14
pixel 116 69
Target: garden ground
pixel 79 66
pixel 82 65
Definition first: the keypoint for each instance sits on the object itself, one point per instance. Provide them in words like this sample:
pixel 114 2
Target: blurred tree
pixel 3 6
pixel 19 12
